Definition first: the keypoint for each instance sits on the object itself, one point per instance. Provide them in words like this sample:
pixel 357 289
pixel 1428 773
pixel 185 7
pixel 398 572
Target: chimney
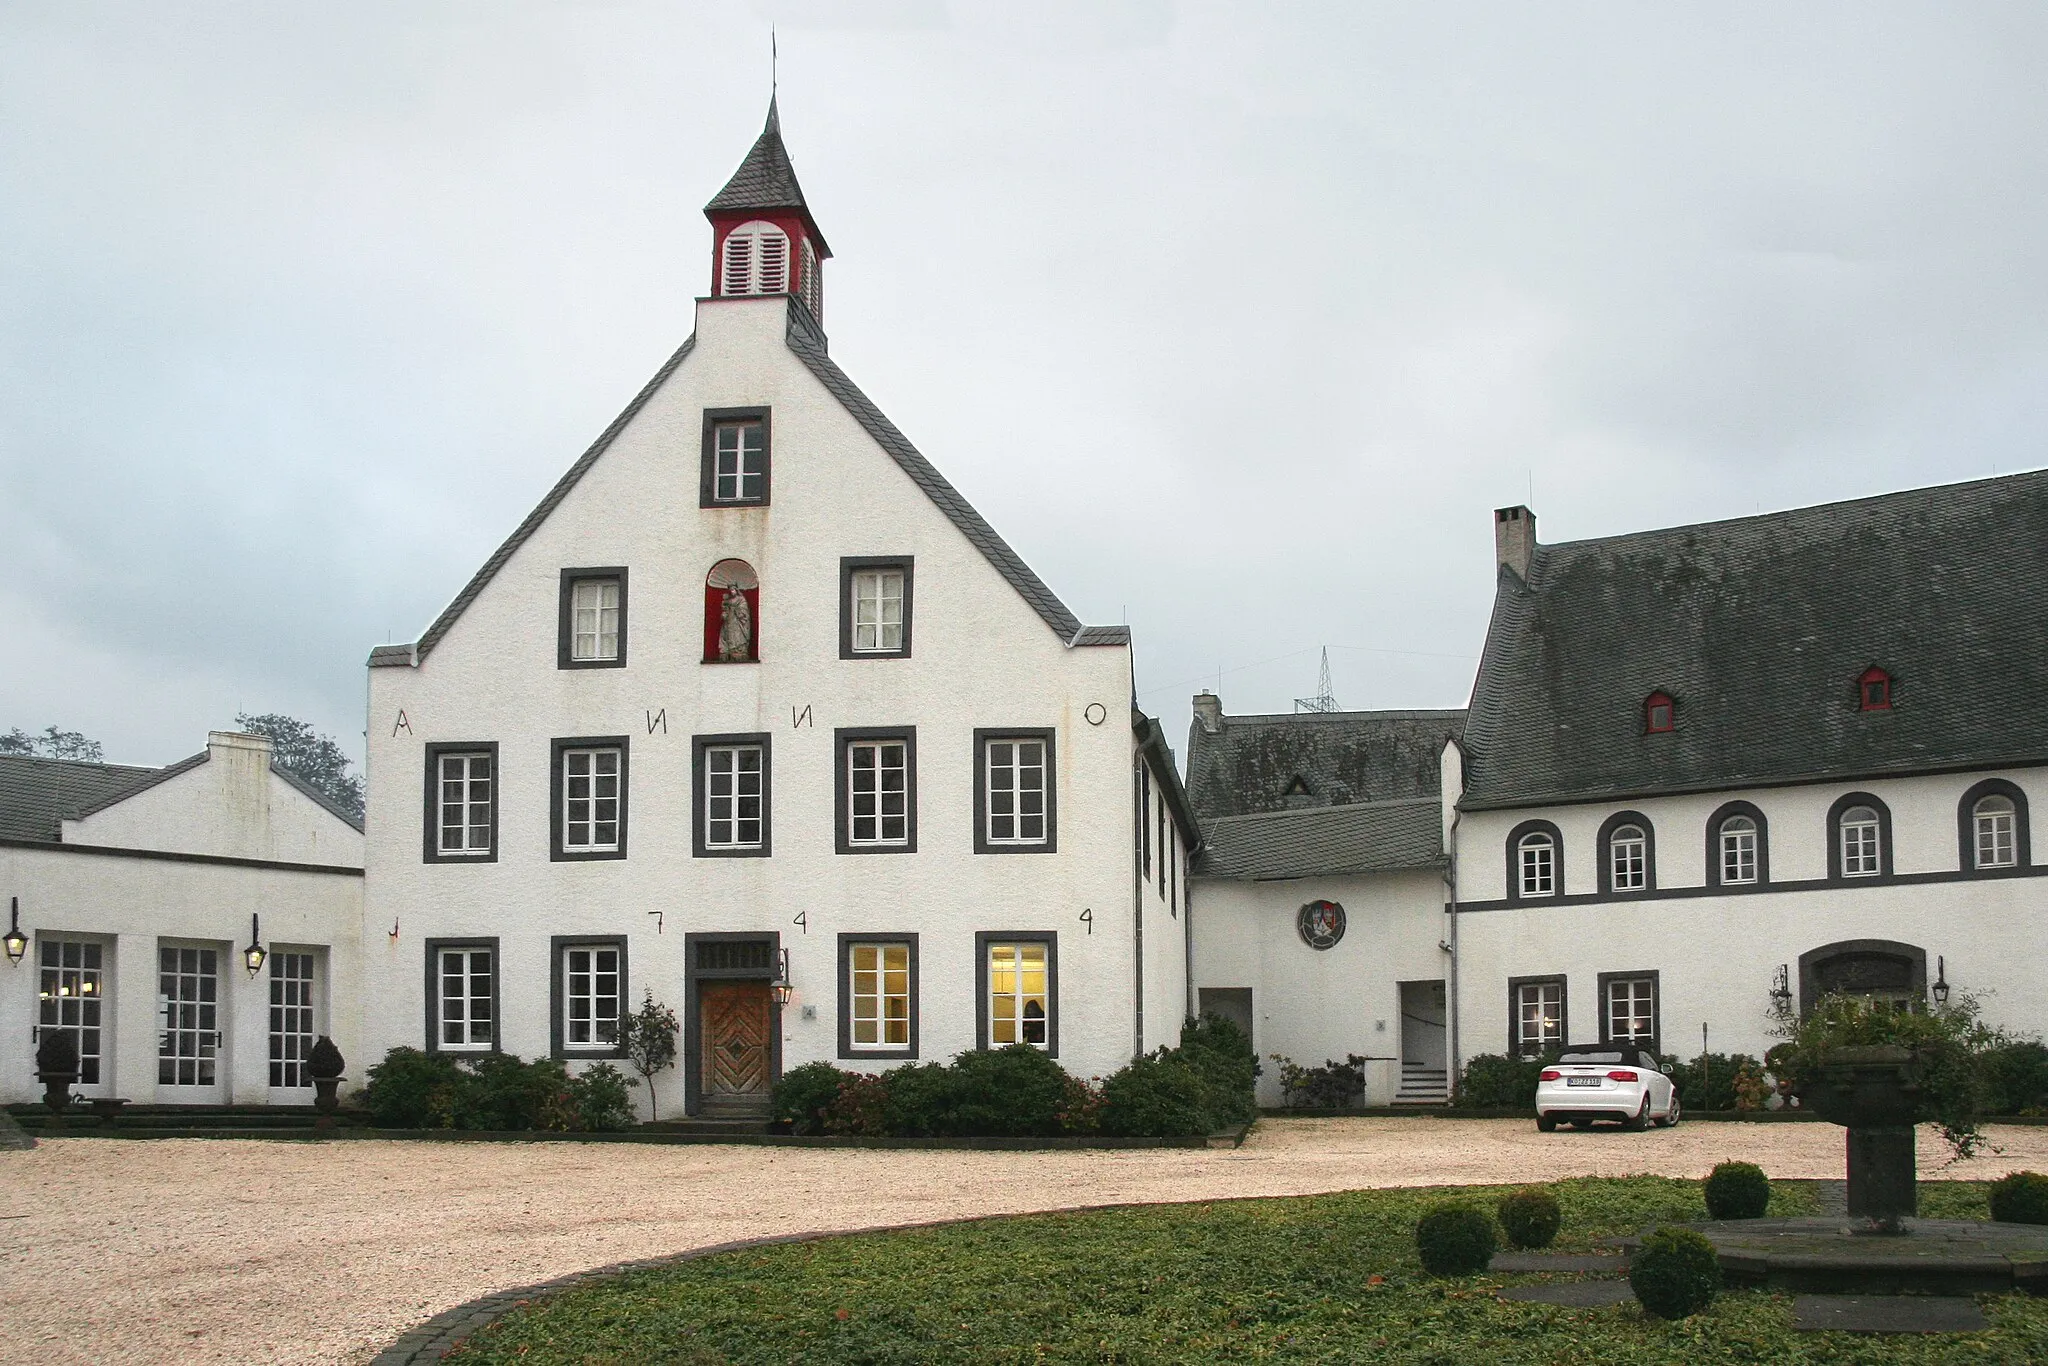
pixel 1514 539
pixel 1209 711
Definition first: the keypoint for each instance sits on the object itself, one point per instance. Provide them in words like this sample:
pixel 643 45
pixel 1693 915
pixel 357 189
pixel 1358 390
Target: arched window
pixel 1874 690
pixel 1660 714
pixel 756 260
pixel 1994 819
pixel 1535 861
pixel 1628 858
pixel 732 613
pixel 1991 828
pixel 1859 837
pixel 1858 834
pixel 1628 853
pixel 1739 844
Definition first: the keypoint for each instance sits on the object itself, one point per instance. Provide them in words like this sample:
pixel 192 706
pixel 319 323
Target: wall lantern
pixel 16 941
pixel 781 985
pixel 1940 987
pixel 1781 990
pixel 254 955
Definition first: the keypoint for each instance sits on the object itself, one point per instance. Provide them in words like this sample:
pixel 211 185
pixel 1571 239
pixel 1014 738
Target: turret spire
pixel 764 240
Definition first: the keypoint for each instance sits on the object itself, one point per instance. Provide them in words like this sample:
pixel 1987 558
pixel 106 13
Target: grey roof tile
pixel 1343 758
pixel 1364 837
pixel 37 795
pixel 1759 628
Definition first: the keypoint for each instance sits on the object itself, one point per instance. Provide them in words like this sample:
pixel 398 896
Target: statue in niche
pixel 736 631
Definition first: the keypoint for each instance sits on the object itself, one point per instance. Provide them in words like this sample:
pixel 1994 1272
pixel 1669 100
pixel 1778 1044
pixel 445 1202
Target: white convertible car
pixel 1605 1081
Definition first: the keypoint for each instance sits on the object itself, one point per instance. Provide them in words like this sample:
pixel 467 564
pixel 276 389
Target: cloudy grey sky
pixel 1236 320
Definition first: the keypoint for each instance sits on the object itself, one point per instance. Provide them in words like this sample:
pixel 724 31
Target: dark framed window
pixel 875 606
pixel 1660 714
pixel 587 784
pixel 877 789
pixel 1628 1009
pixel 1143 795
pixel 460 812
pixel 878 996
pixel 1537 1014
pixel 1991 828
pixel 1015 792
pixel 462 995
pixel 1017 989
pixel 1738 847
pixel 587 996
pixel 736 456
pixel 1859 838
pixel 1628 853
pixel 1874 690
pixel 592 630
pixel 1535 862
pixel 731 779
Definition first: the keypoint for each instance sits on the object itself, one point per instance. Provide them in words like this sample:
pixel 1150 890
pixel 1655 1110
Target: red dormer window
pixel 1659 714
pixel 1874 689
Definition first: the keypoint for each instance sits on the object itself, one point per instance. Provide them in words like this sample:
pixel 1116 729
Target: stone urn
pixel 325 1063
pixel 57 1068
pixel 1874 1093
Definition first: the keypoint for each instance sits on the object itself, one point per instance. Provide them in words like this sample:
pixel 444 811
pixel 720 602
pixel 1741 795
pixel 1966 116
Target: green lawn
pixel 1321 1278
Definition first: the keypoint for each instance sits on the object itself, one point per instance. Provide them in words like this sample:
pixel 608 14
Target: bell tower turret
pixel 763 238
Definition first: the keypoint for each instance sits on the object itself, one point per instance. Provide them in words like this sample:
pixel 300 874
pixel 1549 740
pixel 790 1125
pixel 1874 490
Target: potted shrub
pixel 57 1068
pixel 325 1063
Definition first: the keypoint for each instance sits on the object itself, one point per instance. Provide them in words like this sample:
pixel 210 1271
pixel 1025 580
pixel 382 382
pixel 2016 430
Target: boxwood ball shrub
pixel 2021 1198
pixel 1737 1190
pixel 802 1095
pixel 1676 1274
pixel 1455 1240
pixel 1529 1218
pixel 1157 1095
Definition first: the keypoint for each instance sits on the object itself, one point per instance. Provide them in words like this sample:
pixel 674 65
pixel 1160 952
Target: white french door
pixel 71 995
pixel 294 1023
pixel 189 1056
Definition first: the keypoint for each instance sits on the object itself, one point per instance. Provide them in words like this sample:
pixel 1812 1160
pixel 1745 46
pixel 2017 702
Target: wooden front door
pixel 736 1018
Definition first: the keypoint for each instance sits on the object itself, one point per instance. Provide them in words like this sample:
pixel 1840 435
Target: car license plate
pixel 1582 1081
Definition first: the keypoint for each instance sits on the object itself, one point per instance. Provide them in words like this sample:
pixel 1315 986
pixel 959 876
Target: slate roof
pixel 1759 628
pixel 808 343
pixel 766 181
pixel 1342 757
pixel 36 794
pixel 1364 837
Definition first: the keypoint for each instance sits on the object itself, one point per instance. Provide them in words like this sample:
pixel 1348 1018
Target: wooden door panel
pixel 736 1021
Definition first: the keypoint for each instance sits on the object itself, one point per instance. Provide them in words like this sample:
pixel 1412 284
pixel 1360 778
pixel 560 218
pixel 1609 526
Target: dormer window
pixel 1659 714
pixel 1874 689
pixel 756 260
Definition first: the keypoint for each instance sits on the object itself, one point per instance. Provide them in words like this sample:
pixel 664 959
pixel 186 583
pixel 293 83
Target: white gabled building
pixel 1321 889
pixel 752 697
pixel 137 891
pixel 1781 754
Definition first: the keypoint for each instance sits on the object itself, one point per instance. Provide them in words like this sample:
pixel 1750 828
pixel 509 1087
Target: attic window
pixel 756 260
pixel 1874 689
pixel 1298 788
pixel 1659 714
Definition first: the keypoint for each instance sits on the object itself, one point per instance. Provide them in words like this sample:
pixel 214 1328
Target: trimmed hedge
pixel 1203 1085
pixel 494 1092
pixel 1455 1240
pixel 1737 1190
pixel 1675 1274
pixel 1494 1082
pixel 1529 1218
pixel 2015 1079
pixel 2021 1198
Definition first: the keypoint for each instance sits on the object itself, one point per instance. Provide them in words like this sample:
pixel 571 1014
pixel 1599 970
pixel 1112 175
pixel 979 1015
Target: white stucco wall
pixel 1717 954
pixel 134 905
pixel 231 805
pixel 981 658
pixel 1314 1005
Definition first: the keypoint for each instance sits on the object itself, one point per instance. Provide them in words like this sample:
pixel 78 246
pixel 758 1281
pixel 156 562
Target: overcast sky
pixel 1236 321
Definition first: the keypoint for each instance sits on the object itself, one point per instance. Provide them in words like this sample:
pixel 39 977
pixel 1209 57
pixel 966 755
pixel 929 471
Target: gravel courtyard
pixel 235 1251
